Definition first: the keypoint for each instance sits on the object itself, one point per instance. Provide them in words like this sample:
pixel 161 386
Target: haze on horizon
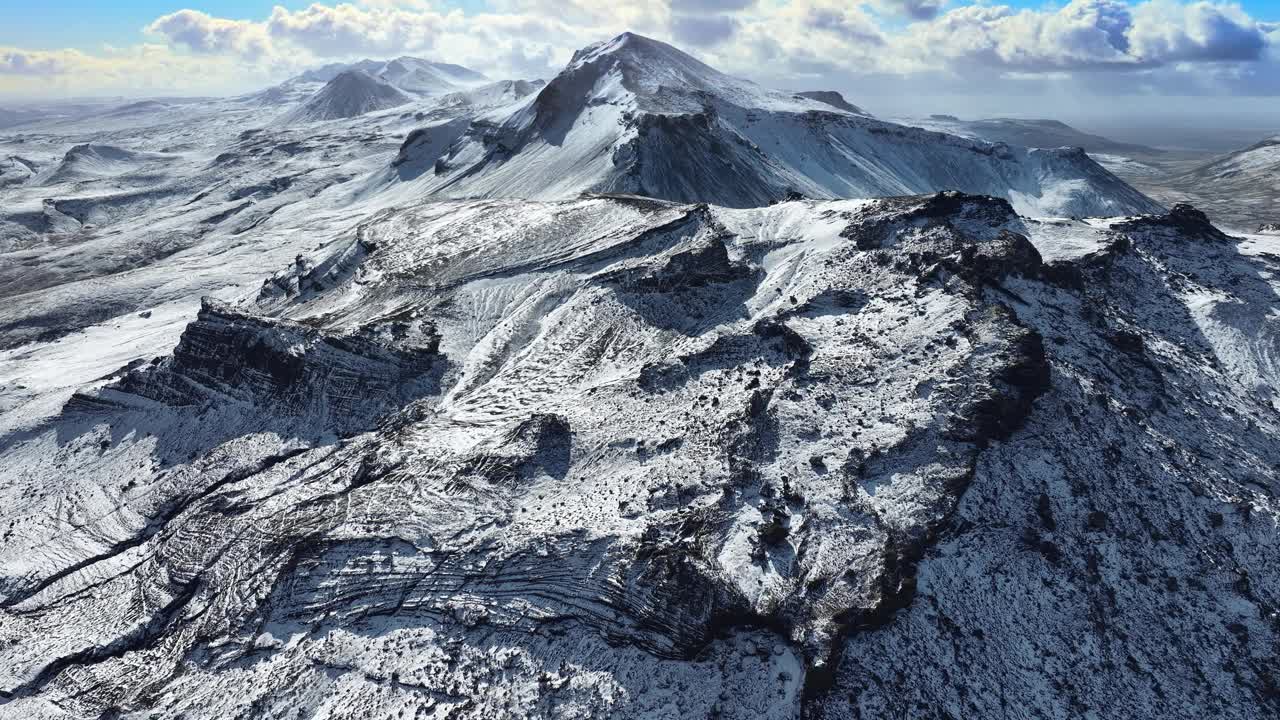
pixel 1113 63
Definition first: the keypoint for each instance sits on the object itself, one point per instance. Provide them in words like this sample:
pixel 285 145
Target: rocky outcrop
pixel 339 382
pixel 634 115
pixel 834 99
pixel 617 455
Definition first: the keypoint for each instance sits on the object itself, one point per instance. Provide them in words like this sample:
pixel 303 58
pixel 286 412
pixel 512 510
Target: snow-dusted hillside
pixel 106 216
pixel 91 161
pixel 635 115
pixel 834 99
pixel 349 94
pixel 1244 186
pixel 621 457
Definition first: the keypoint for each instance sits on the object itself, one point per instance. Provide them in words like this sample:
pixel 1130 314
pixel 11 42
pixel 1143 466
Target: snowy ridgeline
pixel 637 116
pixel 620 457
pixel 1241 187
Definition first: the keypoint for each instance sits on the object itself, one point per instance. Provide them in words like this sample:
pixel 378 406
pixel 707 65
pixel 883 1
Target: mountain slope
pixel 621 457
pixel 1243 188
pixel 1031 133
pixel 348 94
pixel 634 115
pixel 834 99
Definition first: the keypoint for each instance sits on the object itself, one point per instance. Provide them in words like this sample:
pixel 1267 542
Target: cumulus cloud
pixel 1084 33
pixel 34 63
pixel 203 33
pixel 150 68
pixel 702 30
pixel 841 20
pixel 913 9
pixel 807 35
pixel 1089 35
pixel 345 29
pixel 1165 31
pixel 708 6
pixel 1145 46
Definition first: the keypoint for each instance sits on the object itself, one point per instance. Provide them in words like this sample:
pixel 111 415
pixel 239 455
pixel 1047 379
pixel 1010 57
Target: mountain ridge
pixel 634 115
pixel 349 94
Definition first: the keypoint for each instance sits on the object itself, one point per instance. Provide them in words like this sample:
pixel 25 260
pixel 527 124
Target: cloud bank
pixel 1100 46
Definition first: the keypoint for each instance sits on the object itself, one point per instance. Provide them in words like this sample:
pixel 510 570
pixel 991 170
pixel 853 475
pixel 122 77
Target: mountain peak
pixel 645 59
pixel 648 74
pixel 350 93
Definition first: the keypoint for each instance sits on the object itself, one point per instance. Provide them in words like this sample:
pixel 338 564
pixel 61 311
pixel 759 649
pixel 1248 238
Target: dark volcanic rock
pixel 340 382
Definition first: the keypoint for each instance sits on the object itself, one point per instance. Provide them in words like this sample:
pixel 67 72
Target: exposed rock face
pixel 1123 537
pixel 620 457
pixel 1269 228
pixel 339 382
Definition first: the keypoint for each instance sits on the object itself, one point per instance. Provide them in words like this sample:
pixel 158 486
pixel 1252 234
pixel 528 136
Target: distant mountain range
pixel 634 115
pixel 1031 133
pixel 1241 188
pixel 406 73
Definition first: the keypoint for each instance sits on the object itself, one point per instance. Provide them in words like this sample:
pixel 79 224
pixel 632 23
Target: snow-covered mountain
pixel 1244 184
pixel 349 94
pixel 409 74
pixel 414 78
pixel 634 115
pixel 627 458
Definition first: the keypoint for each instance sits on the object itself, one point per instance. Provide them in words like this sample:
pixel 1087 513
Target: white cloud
pixel 146 68
pixel 36 62
pixel 203 33
pixel 345 29
pixel 1165 31
pixel 703 30
pixel 913 9
pixel 1147 46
